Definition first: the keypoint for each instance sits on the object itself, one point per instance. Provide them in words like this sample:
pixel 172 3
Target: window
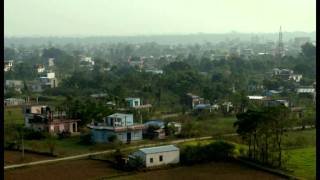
pixel 160 158
pixel 151 160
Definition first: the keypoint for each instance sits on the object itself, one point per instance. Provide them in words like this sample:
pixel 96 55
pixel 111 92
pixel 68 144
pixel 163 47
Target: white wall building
pixel 157 156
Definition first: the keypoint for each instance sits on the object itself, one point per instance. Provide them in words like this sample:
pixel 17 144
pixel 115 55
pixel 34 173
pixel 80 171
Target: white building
pixel 295 77
pixel 51 62
pixel 157 156
pixel 17 85
pixel 8 65
pixel 310 90
pixel 133 102
pixel 40 68
pixel 49 81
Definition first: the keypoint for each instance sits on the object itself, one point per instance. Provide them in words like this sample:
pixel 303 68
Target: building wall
pixel 133 102
pixel 171 157
pixel 101 136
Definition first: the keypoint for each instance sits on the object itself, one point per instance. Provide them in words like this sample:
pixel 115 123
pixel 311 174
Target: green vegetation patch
pixel 13 115
pixel 303 162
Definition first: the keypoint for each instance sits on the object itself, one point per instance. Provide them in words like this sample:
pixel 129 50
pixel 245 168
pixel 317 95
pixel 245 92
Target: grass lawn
pixel 216 125
pixel 63 147
pixel 300 139
pixel 13 115
pixel 303 162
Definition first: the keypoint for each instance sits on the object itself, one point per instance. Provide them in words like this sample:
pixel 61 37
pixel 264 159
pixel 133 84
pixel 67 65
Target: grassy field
pixel 301 138
pixel 303 162
pixel 13 115
pixel 216 125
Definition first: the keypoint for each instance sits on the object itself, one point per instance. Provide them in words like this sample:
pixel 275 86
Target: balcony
pixel 116 128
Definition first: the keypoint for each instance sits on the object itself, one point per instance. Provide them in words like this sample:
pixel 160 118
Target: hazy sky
pixel 144 17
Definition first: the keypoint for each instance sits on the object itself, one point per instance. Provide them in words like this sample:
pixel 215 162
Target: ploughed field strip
pixel 92 169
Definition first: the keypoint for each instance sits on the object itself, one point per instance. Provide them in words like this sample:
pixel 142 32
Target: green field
pixel 13 115
pixel 216 126
pixel 303 162
pixel 300 139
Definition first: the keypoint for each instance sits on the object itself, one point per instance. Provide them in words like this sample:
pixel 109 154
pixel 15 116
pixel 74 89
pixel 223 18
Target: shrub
pixel 64 134
pixel 85 139
pixel 112 138
pixel 216 151
pixel 10 145
pixel 135 163
pixel 30 134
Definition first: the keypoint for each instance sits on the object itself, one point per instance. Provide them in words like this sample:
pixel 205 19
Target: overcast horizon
pixel 84 18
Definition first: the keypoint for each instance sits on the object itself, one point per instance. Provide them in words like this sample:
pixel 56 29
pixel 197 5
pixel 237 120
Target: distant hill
pixel 161 39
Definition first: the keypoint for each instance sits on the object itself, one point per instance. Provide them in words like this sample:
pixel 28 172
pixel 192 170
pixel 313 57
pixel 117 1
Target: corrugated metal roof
pixel 159 149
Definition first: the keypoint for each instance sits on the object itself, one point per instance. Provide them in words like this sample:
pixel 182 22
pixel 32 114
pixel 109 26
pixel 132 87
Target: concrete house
pixel 117 124
pixel 17 85
pixel 193 100
pixel 133 102
pixel 8 65
pixel 157 156
pixel 42 118
pixel 49 81
pixel 39 68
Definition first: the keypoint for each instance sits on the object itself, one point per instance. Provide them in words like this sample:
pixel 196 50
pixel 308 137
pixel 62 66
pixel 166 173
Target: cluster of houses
pixel 286 74
pixel 199 104
pixel 37 85
pixel 119 125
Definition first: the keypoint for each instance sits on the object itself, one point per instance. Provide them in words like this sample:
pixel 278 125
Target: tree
pixel 308 50
pixel 51 143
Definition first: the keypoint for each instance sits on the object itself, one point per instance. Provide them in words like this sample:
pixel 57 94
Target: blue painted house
pixel 117 124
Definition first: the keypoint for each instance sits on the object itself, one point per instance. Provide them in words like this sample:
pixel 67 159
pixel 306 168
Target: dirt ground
pixel 204 172
pixel 92 169
pixel 75 169
pixel 14 157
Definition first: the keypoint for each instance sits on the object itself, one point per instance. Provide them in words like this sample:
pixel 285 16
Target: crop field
pixel 203 171
pixel 93 169
pixel 76 169
pixel 15 157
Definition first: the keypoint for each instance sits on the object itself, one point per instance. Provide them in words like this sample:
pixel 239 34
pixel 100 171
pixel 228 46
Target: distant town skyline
pixel 165 17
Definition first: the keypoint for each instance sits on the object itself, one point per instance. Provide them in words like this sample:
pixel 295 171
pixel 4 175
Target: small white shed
pixel 157 156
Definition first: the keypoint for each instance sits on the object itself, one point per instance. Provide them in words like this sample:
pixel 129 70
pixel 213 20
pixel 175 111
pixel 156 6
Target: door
pixel 128 137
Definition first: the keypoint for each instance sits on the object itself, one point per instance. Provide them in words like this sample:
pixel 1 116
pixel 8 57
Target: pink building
pixel 41 118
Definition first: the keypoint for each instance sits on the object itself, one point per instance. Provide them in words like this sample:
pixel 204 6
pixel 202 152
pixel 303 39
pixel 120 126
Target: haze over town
pixel 144 17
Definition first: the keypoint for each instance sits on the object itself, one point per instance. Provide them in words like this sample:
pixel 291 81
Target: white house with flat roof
pixel 157 156
pixel 133 102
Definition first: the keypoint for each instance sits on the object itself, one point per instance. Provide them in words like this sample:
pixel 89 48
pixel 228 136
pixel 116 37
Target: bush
pixel 10 145
pixel 31 134
pixel 216 151
pixel 135 163
pixel 85 139
pixel 64 134
pixel 112 138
